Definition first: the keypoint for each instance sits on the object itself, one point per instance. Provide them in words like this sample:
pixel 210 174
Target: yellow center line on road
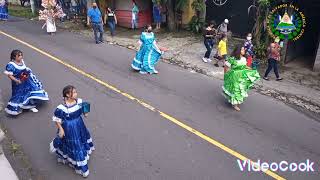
pixel 146 105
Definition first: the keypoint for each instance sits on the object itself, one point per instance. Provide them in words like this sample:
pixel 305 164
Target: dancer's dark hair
pixel 14 54
pixel 237 52
pixel 68 90
pixel 146 28
pixel 212 23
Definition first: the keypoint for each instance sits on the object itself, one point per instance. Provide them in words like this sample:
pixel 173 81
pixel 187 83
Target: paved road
pixel 133 142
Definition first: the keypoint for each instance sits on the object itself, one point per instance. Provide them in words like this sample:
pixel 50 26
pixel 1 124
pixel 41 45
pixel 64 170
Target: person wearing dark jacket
pixel 209 35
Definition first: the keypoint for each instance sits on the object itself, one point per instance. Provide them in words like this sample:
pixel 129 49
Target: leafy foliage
pixel 180 4
pixel 196 24
pixel 198 5
pixel 261 50
pixel 264 3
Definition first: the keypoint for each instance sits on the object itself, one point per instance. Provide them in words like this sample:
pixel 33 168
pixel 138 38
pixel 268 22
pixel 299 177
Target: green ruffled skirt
pixel 237 83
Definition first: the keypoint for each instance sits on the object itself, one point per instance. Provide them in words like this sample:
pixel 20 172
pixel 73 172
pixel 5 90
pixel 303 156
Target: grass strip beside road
pixel 19 11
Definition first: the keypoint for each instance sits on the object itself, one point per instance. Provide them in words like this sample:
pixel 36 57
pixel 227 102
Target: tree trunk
pixel 102 7
pixel 171 15
pixel 203 14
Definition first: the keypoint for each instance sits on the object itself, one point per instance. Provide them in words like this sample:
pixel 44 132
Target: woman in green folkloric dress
pixel 238 78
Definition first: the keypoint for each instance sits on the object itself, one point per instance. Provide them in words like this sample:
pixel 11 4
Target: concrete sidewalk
pixel 6 171
pixel 300 86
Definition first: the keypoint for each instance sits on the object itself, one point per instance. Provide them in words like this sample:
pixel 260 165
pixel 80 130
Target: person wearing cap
pixel 223 28
pixel 274 59
pixel 94 16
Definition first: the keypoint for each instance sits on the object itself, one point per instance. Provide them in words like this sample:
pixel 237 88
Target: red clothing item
pixel 249 61
pixel 274 51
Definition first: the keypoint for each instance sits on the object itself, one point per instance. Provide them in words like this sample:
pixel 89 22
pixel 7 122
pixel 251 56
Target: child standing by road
pixel 73 145
pixel 222 49
pixel 248 46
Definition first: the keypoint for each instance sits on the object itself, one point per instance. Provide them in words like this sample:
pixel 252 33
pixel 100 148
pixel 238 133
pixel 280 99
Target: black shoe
pixel 279 79
pixel 265 78
pixel 101 41
pixel 97 42
pixel 216 65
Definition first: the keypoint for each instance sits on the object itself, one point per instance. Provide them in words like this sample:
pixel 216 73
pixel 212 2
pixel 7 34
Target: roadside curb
pixel 6 170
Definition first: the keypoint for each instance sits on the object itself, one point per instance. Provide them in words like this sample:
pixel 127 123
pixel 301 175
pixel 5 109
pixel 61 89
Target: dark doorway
pixel 236 11
pixel 303 51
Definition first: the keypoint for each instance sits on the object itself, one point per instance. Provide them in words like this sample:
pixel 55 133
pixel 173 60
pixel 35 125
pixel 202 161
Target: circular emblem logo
pixel 219 2
pixel 287 22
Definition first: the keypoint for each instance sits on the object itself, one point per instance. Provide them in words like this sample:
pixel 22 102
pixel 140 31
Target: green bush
pixel 261 52
pixel 196 24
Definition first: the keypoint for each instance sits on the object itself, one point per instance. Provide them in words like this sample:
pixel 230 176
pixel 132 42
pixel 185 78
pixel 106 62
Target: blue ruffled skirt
pixel 146 59
pixel 26 95
pixel 75 147
pixel 3 13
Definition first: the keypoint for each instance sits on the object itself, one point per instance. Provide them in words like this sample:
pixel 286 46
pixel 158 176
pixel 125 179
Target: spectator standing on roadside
pixel 94 16
pixel 274 59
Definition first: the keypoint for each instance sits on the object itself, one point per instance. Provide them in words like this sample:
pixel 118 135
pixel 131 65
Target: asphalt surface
pixel 133 142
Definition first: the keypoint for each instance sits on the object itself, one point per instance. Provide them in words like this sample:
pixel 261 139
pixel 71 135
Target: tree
pixel 204 11
pixel 199 7
pixel 102 6
pixel 198 20
pixel 173 6
pixel 171 15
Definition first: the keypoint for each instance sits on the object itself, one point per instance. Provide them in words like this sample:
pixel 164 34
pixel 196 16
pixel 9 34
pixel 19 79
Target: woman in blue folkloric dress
pixel 149 53
pixel 157 15
pixel 27 90
pixel 73 144
pixel 3 10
